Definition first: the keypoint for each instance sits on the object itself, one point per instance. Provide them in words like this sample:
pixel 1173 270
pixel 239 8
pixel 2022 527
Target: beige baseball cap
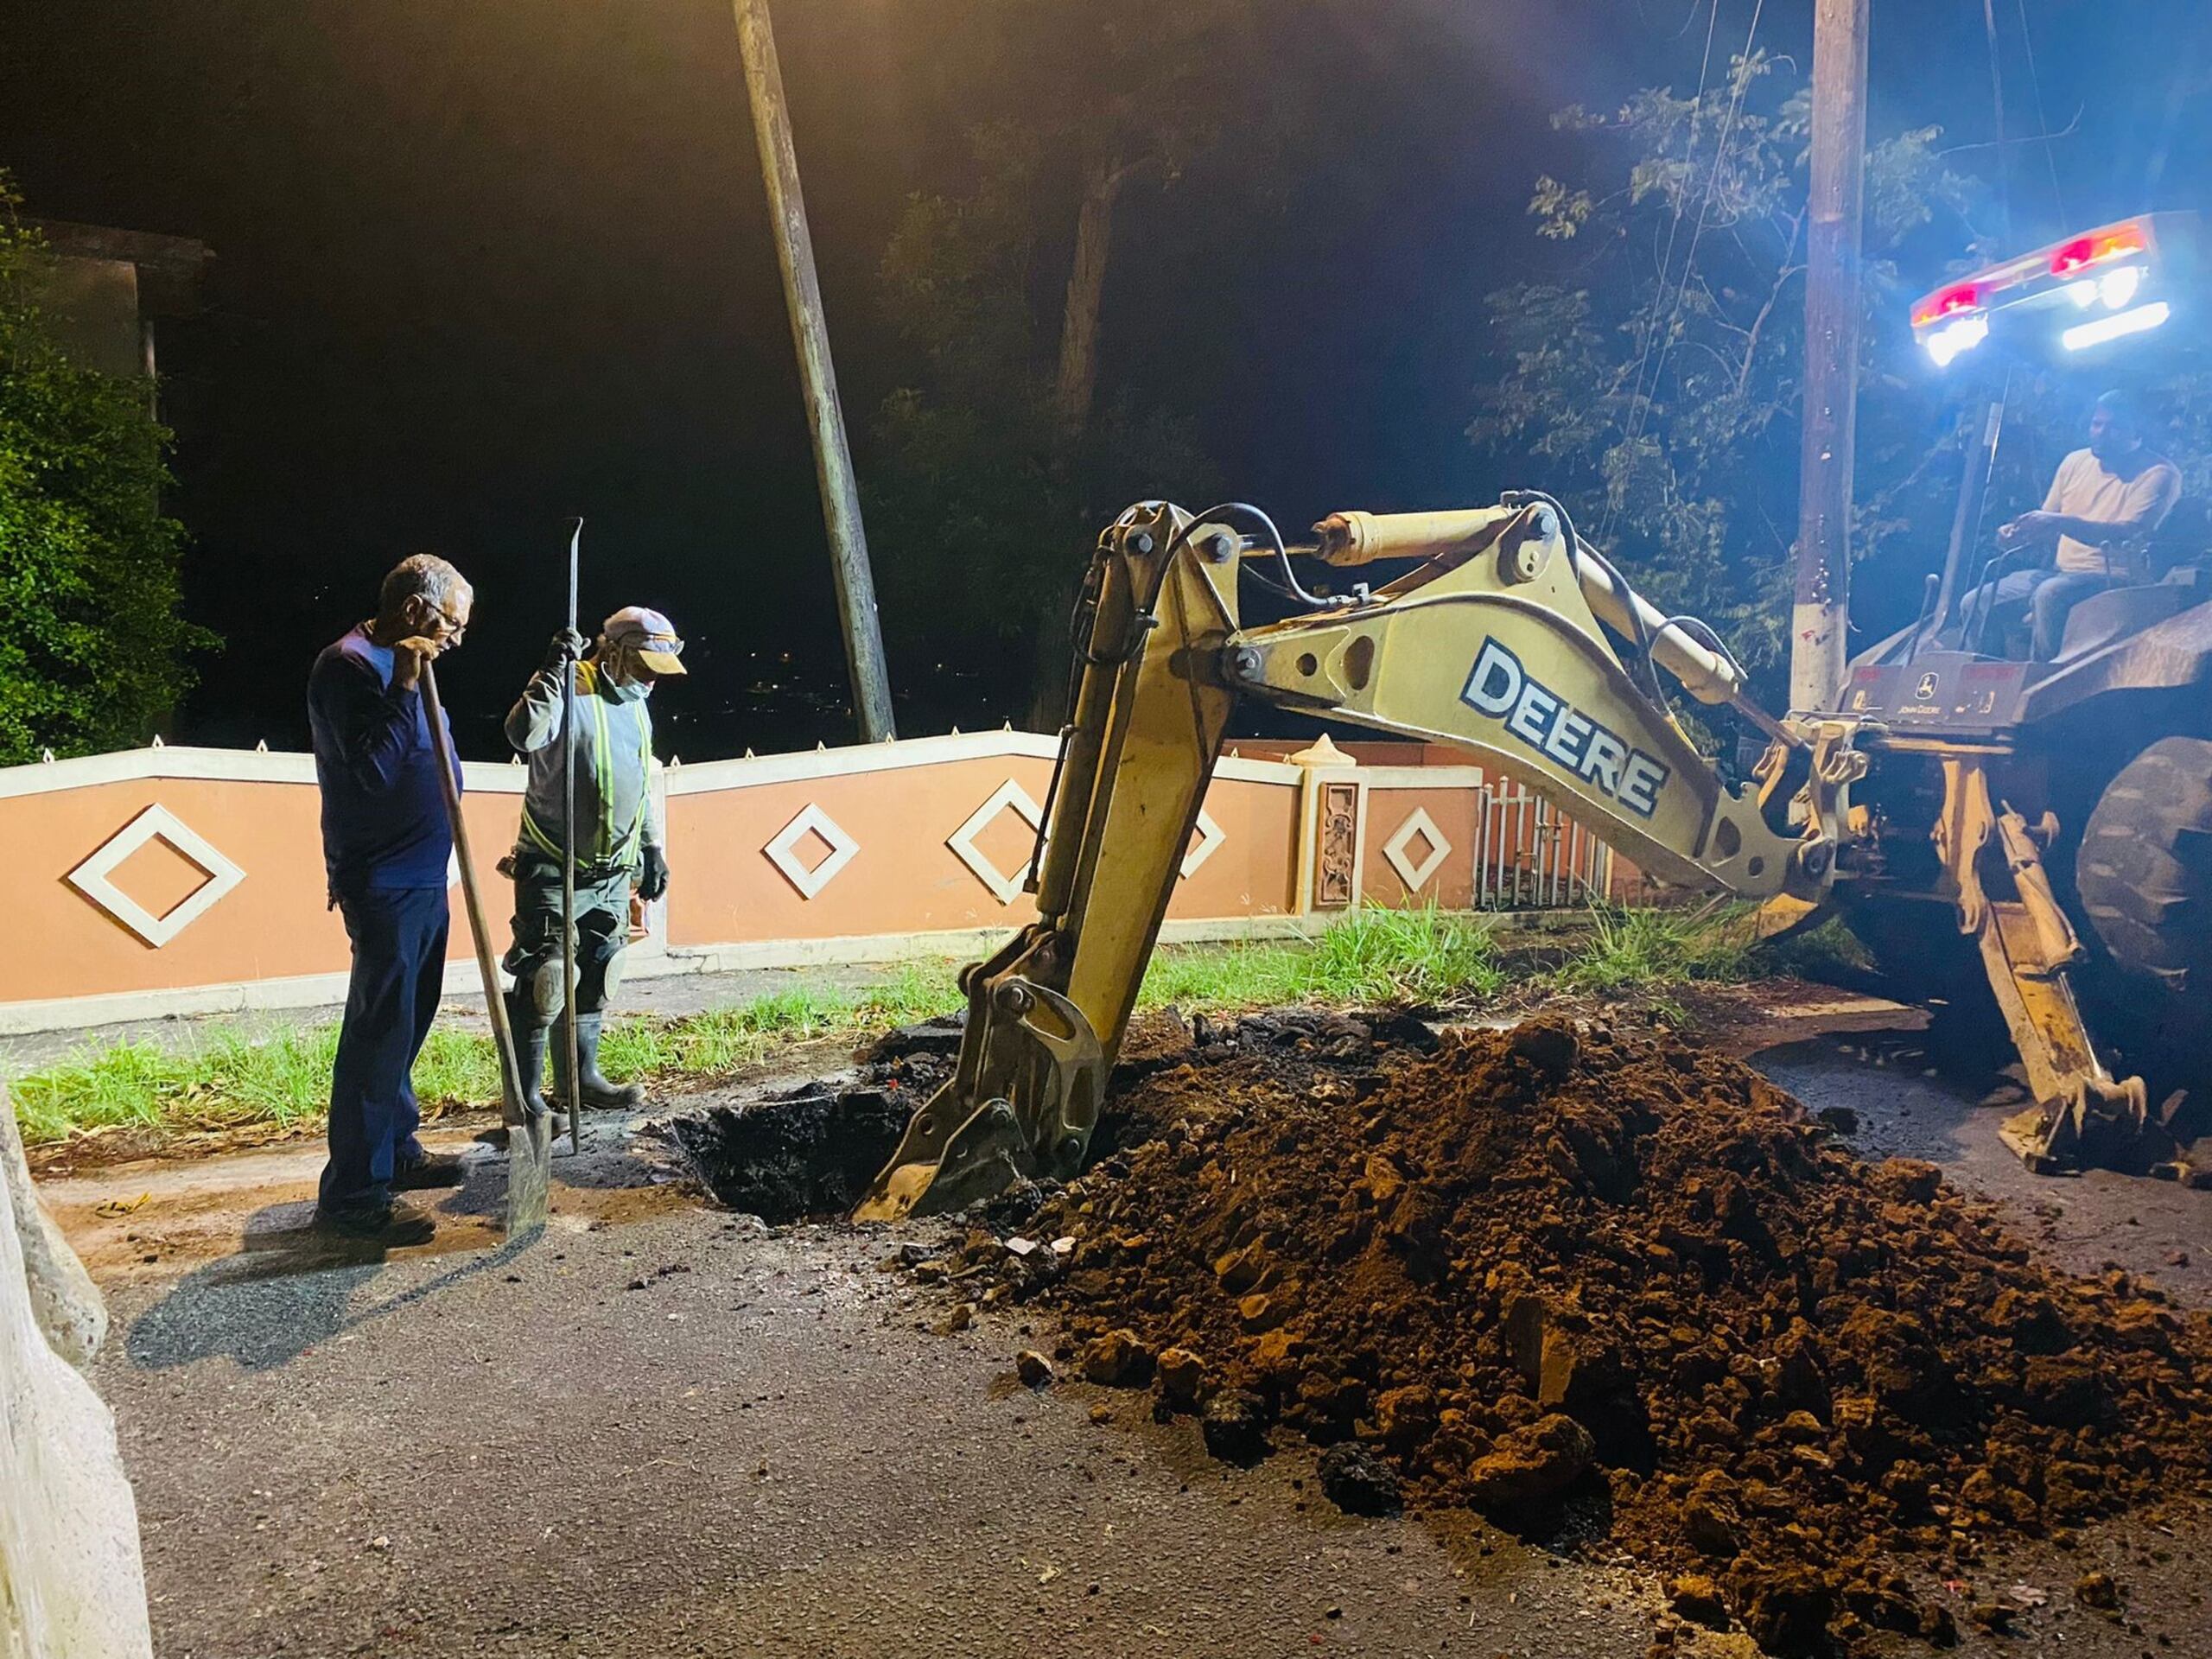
pixel 648 633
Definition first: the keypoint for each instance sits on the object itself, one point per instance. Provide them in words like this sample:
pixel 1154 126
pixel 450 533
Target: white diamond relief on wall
pixel 782 851
pixel 1395 850
pixel 1004 887
pixel 93 877
pixel 1210 838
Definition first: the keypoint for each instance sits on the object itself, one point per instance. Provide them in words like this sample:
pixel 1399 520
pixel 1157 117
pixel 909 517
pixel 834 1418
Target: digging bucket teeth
pixel 1020 1105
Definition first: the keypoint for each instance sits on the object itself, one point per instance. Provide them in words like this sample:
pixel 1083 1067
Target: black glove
pixel 566 646
pixel 653 880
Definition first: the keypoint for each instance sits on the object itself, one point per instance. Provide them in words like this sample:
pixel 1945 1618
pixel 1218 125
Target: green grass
pixel 283 1081
pixel 1650 949
pixel 1370 956
pixel 280 1082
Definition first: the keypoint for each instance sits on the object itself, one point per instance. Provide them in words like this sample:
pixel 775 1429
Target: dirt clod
pixel 1995 1616
pixel 1358 1481
pixel 2097 1589
pixel 1697 1598
pixel 1235 1425
pixel 1182 1377
pixel 1120 1359
pixel 1531 1466
pixel 1594 1271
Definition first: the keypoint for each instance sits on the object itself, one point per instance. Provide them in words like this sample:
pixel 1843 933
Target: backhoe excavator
pixel 1520 643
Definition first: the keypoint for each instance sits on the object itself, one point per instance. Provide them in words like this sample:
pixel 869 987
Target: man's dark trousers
pixel 399 962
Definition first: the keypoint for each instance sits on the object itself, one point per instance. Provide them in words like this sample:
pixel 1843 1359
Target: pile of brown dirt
pixel 1598 1274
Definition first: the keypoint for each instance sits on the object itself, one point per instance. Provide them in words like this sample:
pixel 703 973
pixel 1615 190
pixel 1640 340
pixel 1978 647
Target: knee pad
pixel 541 990
pixel 599 978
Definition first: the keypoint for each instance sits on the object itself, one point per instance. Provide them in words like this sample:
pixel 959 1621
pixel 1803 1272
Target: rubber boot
pixel 531 1040
pixel 597 1092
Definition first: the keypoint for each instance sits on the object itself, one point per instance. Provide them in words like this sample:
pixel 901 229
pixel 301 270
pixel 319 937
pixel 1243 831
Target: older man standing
pixel 617 838
pixel 386 843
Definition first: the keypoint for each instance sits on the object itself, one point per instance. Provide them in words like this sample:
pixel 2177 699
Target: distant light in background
pixel 2143 318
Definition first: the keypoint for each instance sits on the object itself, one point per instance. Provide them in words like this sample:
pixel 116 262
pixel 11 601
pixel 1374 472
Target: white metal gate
pixel 1529 855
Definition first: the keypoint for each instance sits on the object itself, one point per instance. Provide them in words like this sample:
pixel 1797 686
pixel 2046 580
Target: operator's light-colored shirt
pixel 2134 503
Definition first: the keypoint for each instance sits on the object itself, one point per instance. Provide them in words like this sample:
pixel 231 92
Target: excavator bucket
pixel 1046 1014
pixel 2105 1124
pixel 1032 1118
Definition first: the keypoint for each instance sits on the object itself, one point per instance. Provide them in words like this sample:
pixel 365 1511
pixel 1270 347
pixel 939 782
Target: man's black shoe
pixel 390 1225
pixel 429 1170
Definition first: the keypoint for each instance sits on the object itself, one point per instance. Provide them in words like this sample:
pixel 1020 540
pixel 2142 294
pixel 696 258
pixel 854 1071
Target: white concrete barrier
pixel 72 1586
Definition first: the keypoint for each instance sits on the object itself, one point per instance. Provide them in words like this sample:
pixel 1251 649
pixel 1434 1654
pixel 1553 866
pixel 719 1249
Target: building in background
pixel 103 288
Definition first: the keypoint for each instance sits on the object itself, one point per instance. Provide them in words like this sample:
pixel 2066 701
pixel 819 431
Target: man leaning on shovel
pixel 619 842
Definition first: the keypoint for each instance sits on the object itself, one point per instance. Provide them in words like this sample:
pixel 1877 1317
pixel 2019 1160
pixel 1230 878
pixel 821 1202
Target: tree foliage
pixel 1001 457
pixel 1657 379
pixel 91 649
pixel 984 501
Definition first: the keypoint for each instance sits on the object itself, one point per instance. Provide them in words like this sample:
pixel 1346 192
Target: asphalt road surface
pixel 663 1431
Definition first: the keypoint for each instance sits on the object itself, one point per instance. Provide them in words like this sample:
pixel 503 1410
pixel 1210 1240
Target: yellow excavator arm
pixel 1502 642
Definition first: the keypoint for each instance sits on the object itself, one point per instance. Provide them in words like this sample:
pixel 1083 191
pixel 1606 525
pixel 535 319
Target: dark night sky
pixel 484 266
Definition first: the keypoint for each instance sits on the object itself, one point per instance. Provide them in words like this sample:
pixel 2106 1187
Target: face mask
pixel 622 682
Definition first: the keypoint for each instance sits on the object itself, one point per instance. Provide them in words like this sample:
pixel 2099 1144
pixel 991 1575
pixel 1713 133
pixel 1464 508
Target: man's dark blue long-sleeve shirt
pixel 383 819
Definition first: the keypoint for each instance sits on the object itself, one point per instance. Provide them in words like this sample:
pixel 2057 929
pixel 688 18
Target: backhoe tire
pixel 2144 871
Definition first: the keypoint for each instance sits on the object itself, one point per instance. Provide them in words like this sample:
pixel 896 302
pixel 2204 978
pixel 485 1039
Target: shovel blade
pixel 529 1175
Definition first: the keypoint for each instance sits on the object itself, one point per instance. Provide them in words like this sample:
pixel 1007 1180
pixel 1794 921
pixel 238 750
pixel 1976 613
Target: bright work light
pixel 2083 335
pixel 2100 285
pixel 1956 337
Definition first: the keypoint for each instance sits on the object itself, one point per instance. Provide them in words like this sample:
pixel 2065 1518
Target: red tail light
pixel 2095 248
pixel 1964 296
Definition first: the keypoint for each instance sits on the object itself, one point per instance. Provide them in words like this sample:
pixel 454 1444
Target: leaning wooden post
pixel 833 460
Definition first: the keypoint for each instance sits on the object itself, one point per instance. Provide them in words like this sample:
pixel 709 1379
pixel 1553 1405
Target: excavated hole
pixel 807 1151
pixel 805 1154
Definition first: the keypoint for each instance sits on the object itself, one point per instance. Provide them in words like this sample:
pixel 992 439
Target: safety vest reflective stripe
pixel 605 850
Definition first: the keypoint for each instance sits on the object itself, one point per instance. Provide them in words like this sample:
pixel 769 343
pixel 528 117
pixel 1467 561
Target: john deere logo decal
pixel 1925 692
pixel 1572 742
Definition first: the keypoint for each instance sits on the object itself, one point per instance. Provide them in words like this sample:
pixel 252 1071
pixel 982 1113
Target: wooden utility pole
pixel 833 461
pixel 1819 619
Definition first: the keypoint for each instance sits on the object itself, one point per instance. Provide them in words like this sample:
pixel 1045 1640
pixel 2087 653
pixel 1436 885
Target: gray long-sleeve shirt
pixel 615 809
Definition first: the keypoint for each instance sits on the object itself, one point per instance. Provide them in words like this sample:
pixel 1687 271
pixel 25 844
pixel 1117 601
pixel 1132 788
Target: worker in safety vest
pixel 618 840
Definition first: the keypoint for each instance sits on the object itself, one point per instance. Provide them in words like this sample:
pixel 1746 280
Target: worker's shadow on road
pixel 289 1289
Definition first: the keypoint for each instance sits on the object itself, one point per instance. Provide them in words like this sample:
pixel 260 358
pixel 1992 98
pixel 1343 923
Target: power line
pixel 1667 254
pixel 1704 207
pixel 2043 121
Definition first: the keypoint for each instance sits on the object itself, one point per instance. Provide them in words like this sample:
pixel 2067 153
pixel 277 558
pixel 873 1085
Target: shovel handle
pixel 503 1038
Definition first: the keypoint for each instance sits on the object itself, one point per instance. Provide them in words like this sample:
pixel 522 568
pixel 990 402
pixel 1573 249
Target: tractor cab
pixel 2084 306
